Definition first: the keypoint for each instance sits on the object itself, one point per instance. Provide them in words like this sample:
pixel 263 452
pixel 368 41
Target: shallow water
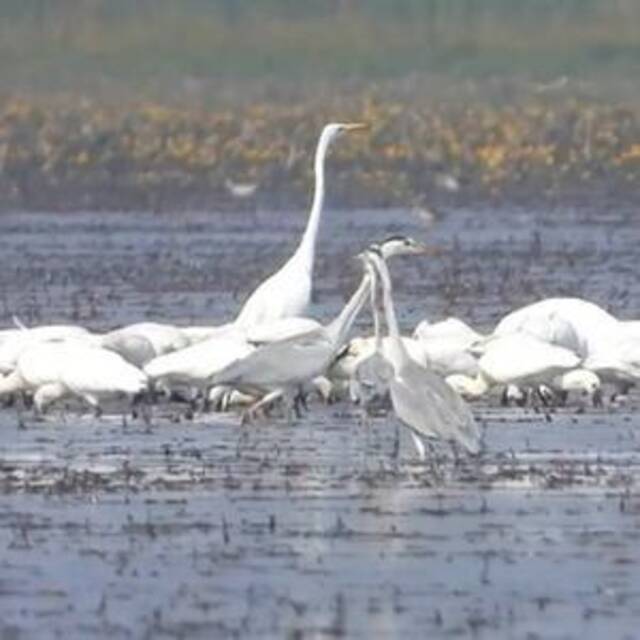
pixel 200 528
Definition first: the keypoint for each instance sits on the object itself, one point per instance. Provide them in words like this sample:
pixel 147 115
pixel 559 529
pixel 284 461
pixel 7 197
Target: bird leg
pixel 417 441
pixel 597 399
pixel 145 402
pixel 249 414
pixel 299 403
pixel 436 469
pixel 396 442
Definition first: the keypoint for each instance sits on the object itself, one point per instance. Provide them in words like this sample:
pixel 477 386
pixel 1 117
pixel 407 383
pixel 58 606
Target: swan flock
pixel 274 355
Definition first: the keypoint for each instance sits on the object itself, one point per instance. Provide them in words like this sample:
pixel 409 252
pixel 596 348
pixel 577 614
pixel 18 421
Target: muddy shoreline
pixel 79 199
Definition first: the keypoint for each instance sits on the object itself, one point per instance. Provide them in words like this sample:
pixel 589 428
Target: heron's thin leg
pixel 456 455
pixel 433 459
pixel 396 442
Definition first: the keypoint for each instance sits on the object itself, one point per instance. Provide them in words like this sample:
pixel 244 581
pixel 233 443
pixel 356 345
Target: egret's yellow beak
pixel 356 126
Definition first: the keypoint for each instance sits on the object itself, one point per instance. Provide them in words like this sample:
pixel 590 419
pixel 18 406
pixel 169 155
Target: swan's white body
pixel 515 359
pixel 422 400
pixel 134 348
pixel 575 324
pixel 54 370
pixel 446 346
pixel 18 340
pixel 447 328
pixel 164 338
pixel 525 360
pixel 617 361
pixel 580 380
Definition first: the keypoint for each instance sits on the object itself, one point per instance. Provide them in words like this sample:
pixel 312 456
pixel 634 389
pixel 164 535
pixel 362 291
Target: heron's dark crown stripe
pixel 396 237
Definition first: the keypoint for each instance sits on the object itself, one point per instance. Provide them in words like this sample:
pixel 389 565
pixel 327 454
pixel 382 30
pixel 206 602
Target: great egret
pixel 420 399
pixel 287 292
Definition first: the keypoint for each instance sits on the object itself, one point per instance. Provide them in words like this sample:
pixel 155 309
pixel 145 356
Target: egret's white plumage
pixel 287 292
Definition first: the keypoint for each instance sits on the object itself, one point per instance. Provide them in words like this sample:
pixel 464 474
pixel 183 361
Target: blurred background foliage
pixel 196 45
pixel 166 103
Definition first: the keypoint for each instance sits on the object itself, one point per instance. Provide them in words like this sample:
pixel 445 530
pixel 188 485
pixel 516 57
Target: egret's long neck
pixel 339 327
pixel 307 246
pixel 397 345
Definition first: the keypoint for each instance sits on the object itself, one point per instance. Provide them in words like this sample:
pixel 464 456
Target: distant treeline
pixel 547 10
pixel 139 43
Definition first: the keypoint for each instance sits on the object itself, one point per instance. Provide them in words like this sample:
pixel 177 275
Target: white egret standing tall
pixel 421 400
pixel 287 292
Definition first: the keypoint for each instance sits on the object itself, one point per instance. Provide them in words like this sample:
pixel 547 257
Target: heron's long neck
pixel 307 246
pixel 339 328
pixel 377 329
pixel 398 347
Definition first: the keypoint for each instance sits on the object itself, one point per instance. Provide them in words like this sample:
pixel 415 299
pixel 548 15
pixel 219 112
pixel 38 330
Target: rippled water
pixel 200 528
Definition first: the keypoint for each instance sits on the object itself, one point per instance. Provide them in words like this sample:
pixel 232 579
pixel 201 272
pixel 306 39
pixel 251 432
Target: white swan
pixel 515 359
pixel 55 370
pixel 575 324
pixel 18 340
pixel 446 346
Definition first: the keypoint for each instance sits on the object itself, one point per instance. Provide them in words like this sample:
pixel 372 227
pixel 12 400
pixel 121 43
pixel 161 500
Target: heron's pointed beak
pixel 356 126
pixel 427 250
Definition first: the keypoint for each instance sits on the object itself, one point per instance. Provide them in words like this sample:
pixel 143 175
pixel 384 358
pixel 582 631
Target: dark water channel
pixel 201 528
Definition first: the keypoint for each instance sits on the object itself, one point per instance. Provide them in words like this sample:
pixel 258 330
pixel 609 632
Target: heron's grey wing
pixel 292 360
pixel 370 382
pixel 432 408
